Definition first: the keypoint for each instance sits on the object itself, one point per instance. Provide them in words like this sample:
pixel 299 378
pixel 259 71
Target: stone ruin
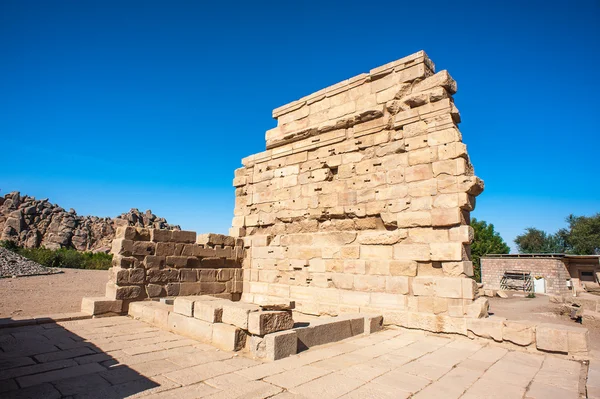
pixel 358 212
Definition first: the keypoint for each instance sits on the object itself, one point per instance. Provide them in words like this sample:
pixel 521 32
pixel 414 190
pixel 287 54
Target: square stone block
pixel 190 327
pixel 101 305
pixel 228 337
pixel 551 339
pixel 184 305
pixel 236 313
pixel 280 344
pixel 267 322
pixel 210 311
pixel 373 323
pixel 519 332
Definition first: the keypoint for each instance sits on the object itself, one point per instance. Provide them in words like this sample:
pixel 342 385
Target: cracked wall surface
pixel 361 201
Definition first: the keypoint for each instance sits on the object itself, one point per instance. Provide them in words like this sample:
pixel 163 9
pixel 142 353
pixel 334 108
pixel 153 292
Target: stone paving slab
pixel 119 357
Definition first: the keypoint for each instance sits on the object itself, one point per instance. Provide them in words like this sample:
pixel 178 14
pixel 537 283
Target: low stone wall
pixel 151 263
pixel 553 270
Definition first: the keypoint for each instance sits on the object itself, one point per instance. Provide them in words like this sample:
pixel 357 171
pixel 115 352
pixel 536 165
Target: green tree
pixel 583 235
pixel 485 241
pixel 539 242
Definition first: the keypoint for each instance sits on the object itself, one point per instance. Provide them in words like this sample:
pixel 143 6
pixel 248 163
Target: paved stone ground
pixel 120 357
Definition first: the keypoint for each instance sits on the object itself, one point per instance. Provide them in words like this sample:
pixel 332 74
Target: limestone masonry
pixel 361 201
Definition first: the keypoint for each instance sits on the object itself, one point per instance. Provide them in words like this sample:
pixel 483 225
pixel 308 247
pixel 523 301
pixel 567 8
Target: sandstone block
pixel 559 338
pixel 487 328
pixel 160 235
pixel 424 286
pixel 137 276
pixel 228 337
pixel 397 284
pixel 376 252
pixel 412 252
pixel 457 269
pixel 403 268
pixel 184 305
pixel 187 237
pixel 125 262
pixel 446 216
pixel 447 287
pixel 190 327
pixel 121 293
pixel 165 249
pixel 155 290
pixel 373 323
pixel 101 305
pixel 418 172
pixel 414 219
pixel 464 234
pixel 381 237
pixel 267 322
pixel 519 332
pixel 143 248
pixel 451 251
pixel 469 288
pixel 280 345
pixel 236 313
pixel 427 304
pixel 395 317
pixel 177 261
pixel 154 262
pixel 551 339
pixel 163 276
pixel 121 246
pixel 478 309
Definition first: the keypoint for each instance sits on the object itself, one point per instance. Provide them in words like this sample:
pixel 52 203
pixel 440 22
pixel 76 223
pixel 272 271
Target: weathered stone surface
pixel 101 305
pixel 191 327
pixel 519 332
pixel 487 328
pixel 280 345
pixel 210 311
pixel 564 339
pixel 33 223
pixel 236 313
pixel 228 337
pixel 267 322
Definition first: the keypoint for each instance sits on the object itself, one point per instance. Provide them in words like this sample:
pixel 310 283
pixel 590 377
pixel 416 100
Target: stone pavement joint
pixel 392 363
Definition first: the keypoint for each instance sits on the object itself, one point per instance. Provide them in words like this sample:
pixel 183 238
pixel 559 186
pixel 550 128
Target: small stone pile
pixel 33 223
pixel 14 265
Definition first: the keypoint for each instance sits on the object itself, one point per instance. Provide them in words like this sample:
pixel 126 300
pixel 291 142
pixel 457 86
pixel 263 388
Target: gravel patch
pixel 14 265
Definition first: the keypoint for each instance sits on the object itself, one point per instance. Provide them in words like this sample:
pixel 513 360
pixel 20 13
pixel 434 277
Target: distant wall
pixel 552 269
pixel 361 201
pixel 151 263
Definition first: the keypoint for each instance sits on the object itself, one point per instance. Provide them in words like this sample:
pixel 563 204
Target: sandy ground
pixel 57 293
pixel 540 309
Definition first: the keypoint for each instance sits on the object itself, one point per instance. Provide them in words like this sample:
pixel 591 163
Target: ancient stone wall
pixel 152 263
pixel 33 223
pixel 361 201
pixel 552 269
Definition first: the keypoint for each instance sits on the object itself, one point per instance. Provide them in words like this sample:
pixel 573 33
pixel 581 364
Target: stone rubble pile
pixel 34 223
pixel 14 265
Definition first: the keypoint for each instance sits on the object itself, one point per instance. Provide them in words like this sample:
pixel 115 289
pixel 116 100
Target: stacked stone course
pixel 361 201
pixel 151 263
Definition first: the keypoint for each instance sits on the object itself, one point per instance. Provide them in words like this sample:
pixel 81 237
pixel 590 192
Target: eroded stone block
pixel 267 322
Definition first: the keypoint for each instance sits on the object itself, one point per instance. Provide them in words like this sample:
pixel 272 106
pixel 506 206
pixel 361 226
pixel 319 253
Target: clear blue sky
pixel 109 105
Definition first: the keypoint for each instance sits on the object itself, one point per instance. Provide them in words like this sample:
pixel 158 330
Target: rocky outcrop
pixel 33 223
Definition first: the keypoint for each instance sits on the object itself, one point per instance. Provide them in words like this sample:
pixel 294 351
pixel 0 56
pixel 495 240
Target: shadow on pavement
pixel 48 361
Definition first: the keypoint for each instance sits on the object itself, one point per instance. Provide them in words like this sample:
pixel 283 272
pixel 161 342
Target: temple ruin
pixel 356 212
